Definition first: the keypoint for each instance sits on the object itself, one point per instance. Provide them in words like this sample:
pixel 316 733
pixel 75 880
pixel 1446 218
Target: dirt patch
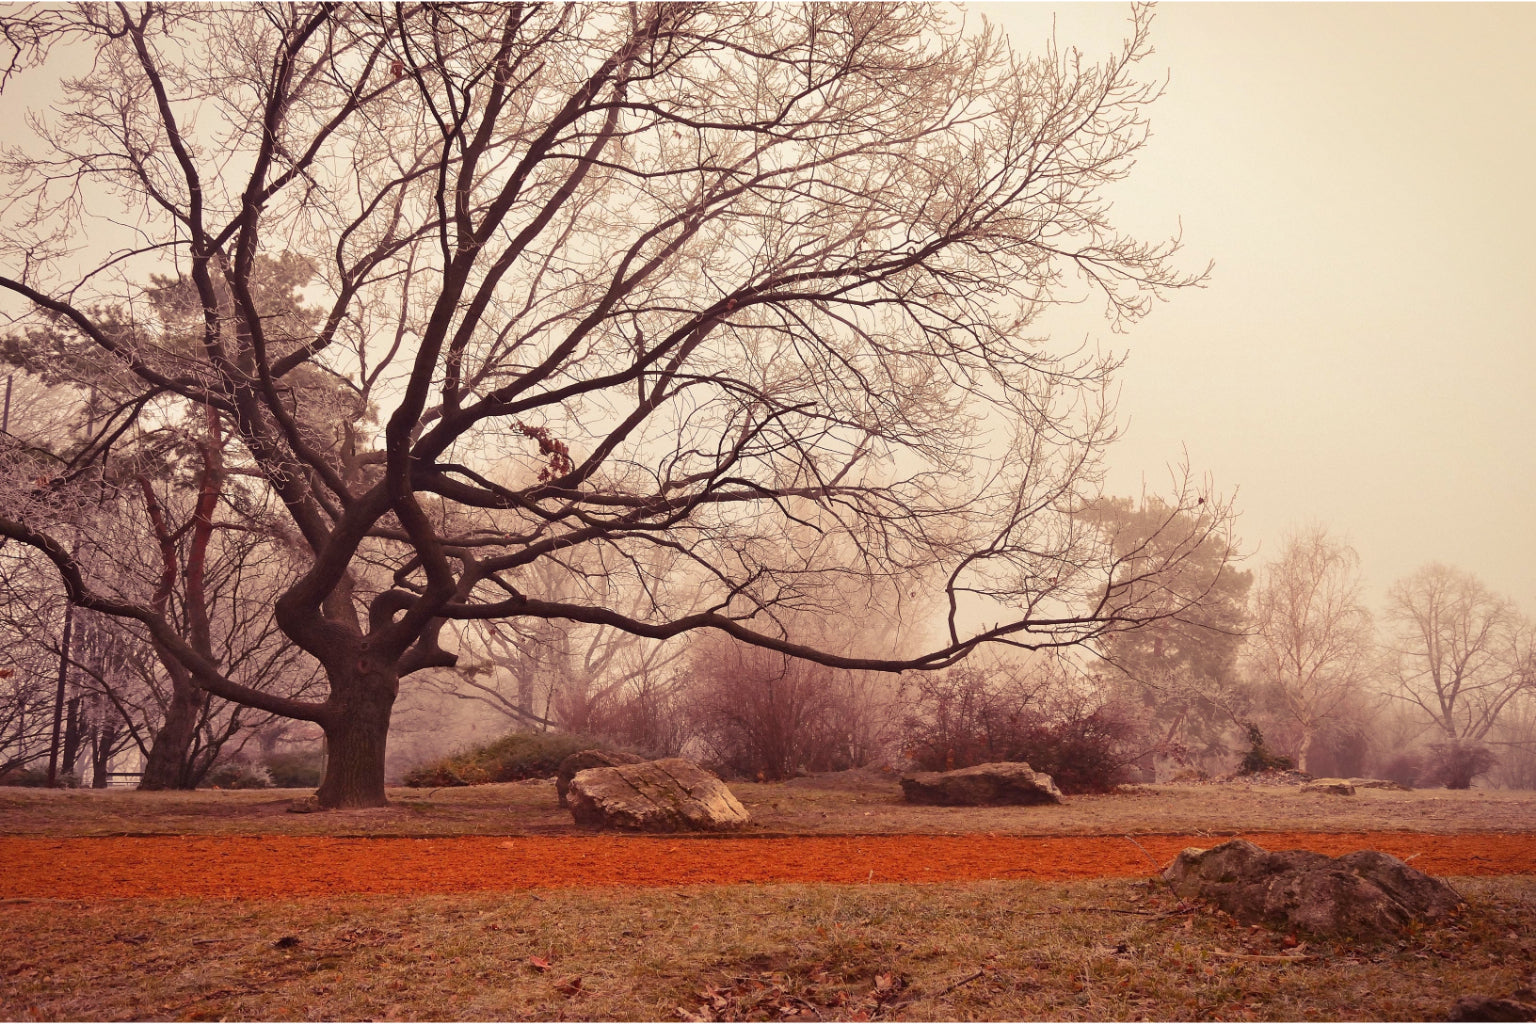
pixel 265 867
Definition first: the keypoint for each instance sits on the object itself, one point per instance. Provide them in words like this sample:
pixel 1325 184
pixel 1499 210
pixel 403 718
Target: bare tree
pixel 617 278
pixel 1513 741
pixel 1313 641
pixel 1462 652
pixel 543 673
pixel 26 667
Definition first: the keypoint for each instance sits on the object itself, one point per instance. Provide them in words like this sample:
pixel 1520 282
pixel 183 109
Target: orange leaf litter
pixel 269 867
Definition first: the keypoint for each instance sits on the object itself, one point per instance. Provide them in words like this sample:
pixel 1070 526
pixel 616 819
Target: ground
pixel 840 903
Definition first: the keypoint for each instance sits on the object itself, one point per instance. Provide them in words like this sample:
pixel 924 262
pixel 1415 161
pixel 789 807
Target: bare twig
pixel 1268 957
pixel 963 981
pixel 1155 869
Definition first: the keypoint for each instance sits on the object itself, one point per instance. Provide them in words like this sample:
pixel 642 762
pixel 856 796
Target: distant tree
pixel 619 278
pixel 1461 653
pixel 26 673
pixel 1181 671
pixel 1313 640
pixel 1513 741
pixel 589 679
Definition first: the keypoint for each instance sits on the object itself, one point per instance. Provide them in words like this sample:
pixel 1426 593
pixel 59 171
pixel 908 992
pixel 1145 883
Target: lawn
pixel 845 803
pixel 1106 949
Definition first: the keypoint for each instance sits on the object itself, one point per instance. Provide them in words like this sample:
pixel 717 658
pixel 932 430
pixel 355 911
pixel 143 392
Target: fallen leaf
pixel 538 963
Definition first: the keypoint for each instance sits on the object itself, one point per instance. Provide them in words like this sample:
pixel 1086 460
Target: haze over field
pixel 1363 355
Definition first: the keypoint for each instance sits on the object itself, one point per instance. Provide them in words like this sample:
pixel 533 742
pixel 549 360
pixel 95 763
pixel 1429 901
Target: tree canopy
pixel 626 285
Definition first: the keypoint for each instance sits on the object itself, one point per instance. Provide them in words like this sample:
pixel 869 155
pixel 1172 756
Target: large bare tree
pixel 615 278
pixel 1313 640
pixel 1461 652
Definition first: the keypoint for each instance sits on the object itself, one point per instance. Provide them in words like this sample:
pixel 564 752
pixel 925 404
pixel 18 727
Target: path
pixel 269 867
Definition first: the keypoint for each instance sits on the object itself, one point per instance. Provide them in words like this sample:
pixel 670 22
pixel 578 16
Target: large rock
pixel 584 759
pixel 671 795
pixel 1338 787
pixel 1380 784
pixel 1491 1008
pixel 1001 782
pixel 1366 894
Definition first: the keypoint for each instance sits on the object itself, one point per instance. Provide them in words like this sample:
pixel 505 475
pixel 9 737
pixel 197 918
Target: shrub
pixel 1259 757
pixel 964 718
pixel 516 756
pixel 967 716
pixel 1083 752
pixel 760 714
pixel 298 769
pixel 1456 765
pixel 34 777
pixel 238 775
pixel 1405 769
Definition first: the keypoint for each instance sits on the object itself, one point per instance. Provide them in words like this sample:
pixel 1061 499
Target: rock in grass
pixel 1492 1008
pixel 1380 784
pixel 671 795
pixel 1365 894
pixel 1001 782
pixel 581 761
pixel 1338 787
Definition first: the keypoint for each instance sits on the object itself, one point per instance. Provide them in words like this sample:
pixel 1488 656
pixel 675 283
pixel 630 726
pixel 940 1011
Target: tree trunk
pixel 1304 752
pixel 163 769
pixel 355 736
pixel 101 752
pixel 72 736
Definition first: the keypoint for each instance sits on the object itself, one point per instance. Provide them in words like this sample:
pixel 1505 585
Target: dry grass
pixel 1110 950
pixel 863 804
pixel 1106 950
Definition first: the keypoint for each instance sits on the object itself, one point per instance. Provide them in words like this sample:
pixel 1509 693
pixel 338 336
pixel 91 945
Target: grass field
pixel 862 803
pixel 997 950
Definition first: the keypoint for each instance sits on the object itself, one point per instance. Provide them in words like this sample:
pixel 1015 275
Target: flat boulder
pixel 584 759
pixel 1492 1008
pixel 1380 784
pixel 1365 894
pixel 670 795
pixel 1001 782
pixel 1337 787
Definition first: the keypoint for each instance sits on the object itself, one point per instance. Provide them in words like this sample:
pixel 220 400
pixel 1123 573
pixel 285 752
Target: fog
pixel 1362 355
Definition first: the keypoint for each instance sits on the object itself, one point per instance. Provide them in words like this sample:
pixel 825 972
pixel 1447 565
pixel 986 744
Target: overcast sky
pixel 1364 355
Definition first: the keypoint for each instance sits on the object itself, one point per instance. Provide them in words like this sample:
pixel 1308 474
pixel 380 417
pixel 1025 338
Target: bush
pixel 517 756
pixel 1405 769
pixel 1082 752
pixel 1259 757
pixel 1456 765
pixel 33 777
pixel 238 775
pixel 761 715
pixel 297 769
pixel 964 718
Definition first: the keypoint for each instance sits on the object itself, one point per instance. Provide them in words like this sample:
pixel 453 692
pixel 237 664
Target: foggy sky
pixel 1363 355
